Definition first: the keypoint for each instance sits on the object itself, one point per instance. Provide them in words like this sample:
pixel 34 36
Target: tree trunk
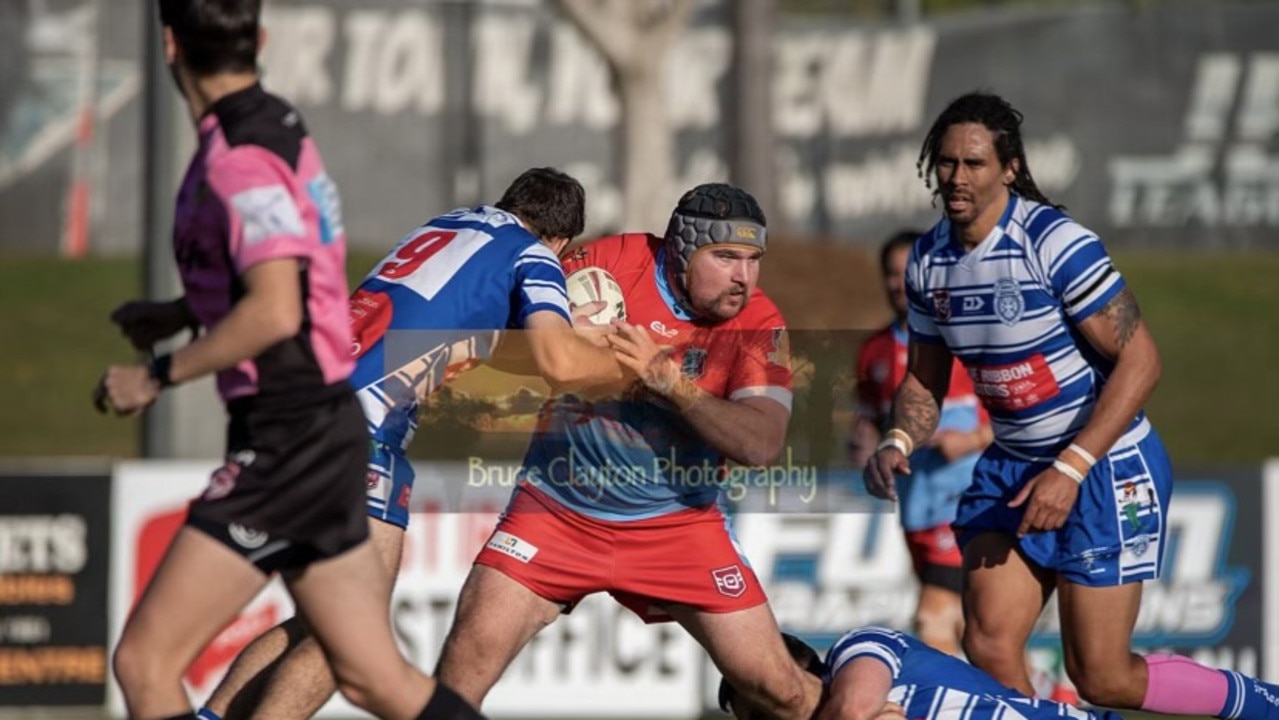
pixel 648 152
pixel 633 37
pixel 751 150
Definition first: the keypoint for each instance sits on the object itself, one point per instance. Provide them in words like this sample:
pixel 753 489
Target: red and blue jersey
pixel 256 190
pixel 635 458
pixel 435 306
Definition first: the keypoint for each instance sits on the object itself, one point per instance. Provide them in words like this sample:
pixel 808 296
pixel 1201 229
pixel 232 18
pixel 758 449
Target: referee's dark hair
pixel 216 36
pixel 1002 120
pixel 550 202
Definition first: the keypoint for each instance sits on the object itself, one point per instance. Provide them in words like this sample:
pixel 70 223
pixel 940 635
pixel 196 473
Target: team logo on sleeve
pixel 694 364
pixel 781 348
pixel 729 581
pixel 941 304
pixel 1009 304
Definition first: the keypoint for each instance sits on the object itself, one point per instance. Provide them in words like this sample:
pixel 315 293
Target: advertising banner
pixel 599 661
pixel 54 561
pixel 420 106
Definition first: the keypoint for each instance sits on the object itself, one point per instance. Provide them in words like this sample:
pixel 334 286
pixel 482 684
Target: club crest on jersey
pixel 941 304
pixel 694 364
pixel 1009 304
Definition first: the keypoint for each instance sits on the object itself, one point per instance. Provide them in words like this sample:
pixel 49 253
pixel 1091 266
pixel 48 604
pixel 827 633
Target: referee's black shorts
pixel 292 490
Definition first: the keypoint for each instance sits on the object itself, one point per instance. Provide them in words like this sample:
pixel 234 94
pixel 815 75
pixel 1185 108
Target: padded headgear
pixel 712 214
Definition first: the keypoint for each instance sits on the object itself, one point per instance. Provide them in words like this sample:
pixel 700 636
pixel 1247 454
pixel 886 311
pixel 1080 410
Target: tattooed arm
pixel 1118 332
pixel 917 405
pixel 916 411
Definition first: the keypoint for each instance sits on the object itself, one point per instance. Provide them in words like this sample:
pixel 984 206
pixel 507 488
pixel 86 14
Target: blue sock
pixel 206 714
pixel 1248 698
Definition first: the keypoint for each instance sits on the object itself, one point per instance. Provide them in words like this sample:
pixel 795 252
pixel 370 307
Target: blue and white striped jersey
pixel 435 306
pixel 1008 310
pixel 934 686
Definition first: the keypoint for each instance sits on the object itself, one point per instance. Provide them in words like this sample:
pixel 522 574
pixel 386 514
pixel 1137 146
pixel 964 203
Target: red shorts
pixel 935 546
pixel 687 558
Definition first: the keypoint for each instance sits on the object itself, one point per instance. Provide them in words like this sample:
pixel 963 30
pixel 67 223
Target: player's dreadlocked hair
pixel 1003 121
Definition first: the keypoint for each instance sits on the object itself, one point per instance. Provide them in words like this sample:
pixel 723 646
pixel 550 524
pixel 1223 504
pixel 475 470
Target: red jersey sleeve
pixel 763 366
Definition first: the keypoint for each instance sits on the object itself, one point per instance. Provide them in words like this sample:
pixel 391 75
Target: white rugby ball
pixel 592 284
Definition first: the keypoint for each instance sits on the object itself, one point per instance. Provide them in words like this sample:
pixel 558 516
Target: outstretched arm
pixel 566 359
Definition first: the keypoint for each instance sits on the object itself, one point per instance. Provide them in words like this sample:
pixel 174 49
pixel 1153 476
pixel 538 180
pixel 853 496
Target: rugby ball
pixel 592 284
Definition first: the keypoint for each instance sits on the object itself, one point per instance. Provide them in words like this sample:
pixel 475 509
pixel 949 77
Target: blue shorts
pixel 1114 534
pixel 389 483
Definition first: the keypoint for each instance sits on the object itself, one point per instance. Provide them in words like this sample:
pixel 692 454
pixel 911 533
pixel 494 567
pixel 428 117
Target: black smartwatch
pixel 159 368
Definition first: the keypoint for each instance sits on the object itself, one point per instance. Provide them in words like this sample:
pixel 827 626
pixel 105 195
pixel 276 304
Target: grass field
pixel 1216 318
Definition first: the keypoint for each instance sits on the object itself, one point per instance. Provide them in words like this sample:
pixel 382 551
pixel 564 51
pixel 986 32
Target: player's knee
pixel 939 630
pixel 137 669
pixel 997 655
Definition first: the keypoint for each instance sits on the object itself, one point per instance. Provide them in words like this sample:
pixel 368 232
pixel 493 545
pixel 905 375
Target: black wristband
pixel 159 369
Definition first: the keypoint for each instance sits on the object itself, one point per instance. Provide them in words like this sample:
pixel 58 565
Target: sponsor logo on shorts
pixel 508 544
pixel 945 539
pixel 222 481
pixel 247 537
pixel 1140 545
pixel 729 581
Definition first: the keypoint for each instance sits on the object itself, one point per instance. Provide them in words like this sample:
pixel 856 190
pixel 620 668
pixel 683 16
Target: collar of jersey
pixel 991 239
pixel 664 288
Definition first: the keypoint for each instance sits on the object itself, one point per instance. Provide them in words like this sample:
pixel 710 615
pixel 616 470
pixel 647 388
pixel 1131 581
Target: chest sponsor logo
pixel 660 328
pixel 1015 386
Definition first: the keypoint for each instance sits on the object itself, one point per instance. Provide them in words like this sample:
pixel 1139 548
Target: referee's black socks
pixel 448 705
